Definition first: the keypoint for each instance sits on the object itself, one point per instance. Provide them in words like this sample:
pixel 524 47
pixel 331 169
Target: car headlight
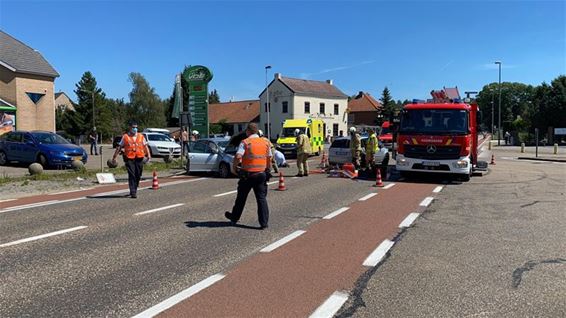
pixel 460 164
pixel 402 162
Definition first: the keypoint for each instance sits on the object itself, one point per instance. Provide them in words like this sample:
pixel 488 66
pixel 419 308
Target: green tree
pixel 145 105
pixel 83 121
pixel 213 97
pixel 388 105
pixel 120 116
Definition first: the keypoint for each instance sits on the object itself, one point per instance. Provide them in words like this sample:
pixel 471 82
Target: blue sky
pixel 410 46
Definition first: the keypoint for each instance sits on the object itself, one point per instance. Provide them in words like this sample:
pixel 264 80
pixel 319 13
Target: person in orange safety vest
pixel 136 151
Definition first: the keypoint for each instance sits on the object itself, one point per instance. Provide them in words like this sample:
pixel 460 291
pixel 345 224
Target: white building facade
pixel 292 98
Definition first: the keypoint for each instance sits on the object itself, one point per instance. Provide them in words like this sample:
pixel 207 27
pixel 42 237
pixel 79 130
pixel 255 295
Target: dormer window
pixel 35 97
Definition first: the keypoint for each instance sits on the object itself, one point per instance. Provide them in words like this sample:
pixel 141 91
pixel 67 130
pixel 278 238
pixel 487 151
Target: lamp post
pixel 92 94
pixel 268 67
pixel 499 110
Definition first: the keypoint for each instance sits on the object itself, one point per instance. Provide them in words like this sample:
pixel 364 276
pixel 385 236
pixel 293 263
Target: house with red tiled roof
pixel 236 114
pixel 363 110
pixel 294 98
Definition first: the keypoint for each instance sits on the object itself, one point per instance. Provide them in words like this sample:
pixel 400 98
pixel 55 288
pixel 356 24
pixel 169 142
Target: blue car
pixel 46 148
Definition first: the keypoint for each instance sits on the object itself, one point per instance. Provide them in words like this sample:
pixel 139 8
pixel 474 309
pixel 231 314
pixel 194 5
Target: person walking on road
pixel 303 152
pixel 93 137
pixel 273 163
pixel 136 153
pixel 355 147
pixel 371 149
pixel 254 156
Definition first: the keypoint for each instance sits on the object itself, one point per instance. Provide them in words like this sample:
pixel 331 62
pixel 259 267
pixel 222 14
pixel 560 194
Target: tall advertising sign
pixel 198 77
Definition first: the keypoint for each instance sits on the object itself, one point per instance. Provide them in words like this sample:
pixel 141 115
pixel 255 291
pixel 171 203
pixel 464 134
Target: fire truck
pixel 438 136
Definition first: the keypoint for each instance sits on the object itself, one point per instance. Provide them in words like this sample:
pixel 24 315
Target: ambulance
pixel 313 128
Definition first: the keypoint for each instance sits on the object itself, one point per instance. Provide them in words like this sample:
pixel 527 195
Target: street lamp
pixel 268 67
pixel 499 111
pixel 92 93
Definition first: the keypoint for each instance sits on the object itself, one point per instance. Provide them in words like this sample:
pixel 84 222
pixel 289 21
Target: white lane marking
pixel 166 184
pixel 507 158
pixel 103 194
pixel 34 238
pixel 225 193
pixel 409 220
pixel 438 189
pixel 331 306
pixel 376 256
pixel 389 186
pixel 272 182
pixel 7 200
pixel 364 198
pixel 28 206
pixel 160 209
pixel 335 213
pixel 427 201
pixel 295 177
pixel 282 241
pixel 172 301
pixel 70 191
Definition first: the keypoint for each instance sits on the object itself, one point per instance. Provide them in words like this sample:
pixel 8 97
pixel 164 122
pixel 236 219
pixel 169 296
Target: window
pixel 335 129
pixel 336 109
pixel 35 97
pixel 284 107
pixel 239 127
pixel 265 106
pixel 265 128
pixel 199 147
pixel 322 108
pixel 307 107
pixel 27 138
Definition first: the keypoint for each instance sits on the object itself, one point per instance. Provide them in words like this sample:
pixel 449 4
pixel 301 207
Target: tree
pixel 145 105
pixel 82 122
pixel 388 105
pixel 213 97
pixel 119 119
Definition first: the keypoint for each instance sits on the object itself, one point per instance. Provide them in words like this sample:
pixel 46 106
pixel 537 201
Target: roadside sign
pixel 105 178
pixel 560 131
pixel 198 77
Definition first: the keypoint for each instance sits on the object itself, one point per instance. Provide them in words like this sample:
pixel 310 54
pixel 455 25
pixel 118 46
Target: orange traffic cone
pixel 378 181
pixel 323 161
pixel 492 160
pixel 155 185
pixel 281 182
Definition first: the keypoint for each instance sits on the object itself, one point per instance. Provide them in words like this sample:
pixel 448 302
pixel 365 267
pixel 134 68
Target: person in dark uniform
pixel 135 154
pixel 254 155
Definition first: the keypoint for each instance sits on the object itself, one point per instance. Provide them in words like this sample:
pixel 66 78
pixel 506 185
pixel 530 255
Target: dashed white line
pixel 282 241
pixel 28 206
pixel 438 189
pixel 331 306
pixel 34 238
pixel 366 197
pixel 166 184
pixel 389 186
pixel 272 182
pixel 172 301
pixel 376 256
pixel 409 220
pixel 335 213
pixel 160 209
pixel 225 193
pixel 427 201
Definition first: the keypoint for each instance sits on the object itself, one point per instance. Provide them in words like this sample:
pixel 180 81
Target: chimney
pixel 277 76
pixel 329 82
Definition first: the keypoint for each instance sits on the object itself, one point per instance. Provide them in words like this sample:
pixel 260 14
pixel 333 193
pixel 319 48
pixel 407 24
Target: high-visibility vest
pixel 303 144
pixel 255 155
pixel 371 145
pixel 133 147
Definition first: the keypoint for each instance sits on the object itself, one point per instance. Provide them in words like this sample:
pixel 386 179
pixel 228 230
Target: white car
pixel 161 145
pixel 213 155
pixel 340 153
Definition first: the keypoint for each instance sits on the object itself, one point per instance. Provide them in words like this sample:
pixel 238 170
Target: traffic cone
pixel 281 182
pixel 492 160
pixel 323 161
pixel 155 185
pixel 378 181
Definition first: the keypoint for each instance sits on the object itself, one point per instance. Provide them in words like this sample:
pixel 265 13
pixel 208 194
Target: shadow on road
pixel 216 224
pixel 111 196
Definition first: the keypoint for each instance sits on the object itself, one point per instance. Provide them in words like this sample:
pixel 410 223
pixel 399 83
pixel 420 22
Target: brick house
pixel 27 82
pixel 236 114
pixel 363 110
pixel 63 102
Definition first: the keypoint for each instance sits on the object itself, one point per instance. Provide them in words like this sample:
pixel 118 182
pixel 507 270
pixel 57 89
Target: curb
pixel 542 159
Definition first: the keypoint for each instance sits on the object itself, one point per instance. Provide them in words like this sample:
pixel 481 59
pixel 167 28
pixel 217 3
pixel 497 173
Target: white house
pixel 293 98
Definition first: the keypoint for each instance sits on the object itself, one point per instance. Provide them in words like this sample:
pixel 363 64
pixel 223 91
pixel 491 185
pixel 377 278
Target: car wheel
pixel 224 170
pixel 3 158
pixel 42 160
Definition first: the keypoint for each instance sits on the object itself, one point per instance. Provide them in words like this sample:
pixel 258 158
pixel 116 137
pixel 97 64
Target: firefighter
pixel 272 147
pixel 136 154
pixel 254 155
pixel 371 149
pixel 303 152
pixel 355 147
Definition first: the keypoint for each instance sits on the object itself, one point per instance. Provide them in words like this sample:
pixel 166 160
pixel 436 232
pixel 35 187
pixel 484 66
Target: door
pixel 213 160
pixel 198 155
pixel 29 149
pixel 13 142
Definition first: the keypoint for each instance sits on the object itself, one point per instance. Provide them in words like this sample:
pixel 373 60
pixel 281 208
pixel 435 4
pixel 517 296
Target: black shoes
pixel 133 195
pixel 228 215
pixel 306 174
pixel 298 175
pixel 263 227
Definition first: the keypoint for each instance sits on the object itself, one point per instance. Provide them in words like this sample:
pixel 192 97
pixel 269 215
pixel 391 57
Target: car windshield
pixel 158 137
pixel 434 121
pixel 49 138
pixel 223 144
pixel 290 131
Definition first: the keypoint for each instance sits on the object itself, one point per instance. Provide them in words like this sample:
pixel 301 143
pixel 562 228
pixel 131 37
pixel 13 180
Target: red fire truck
pixel 438 136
